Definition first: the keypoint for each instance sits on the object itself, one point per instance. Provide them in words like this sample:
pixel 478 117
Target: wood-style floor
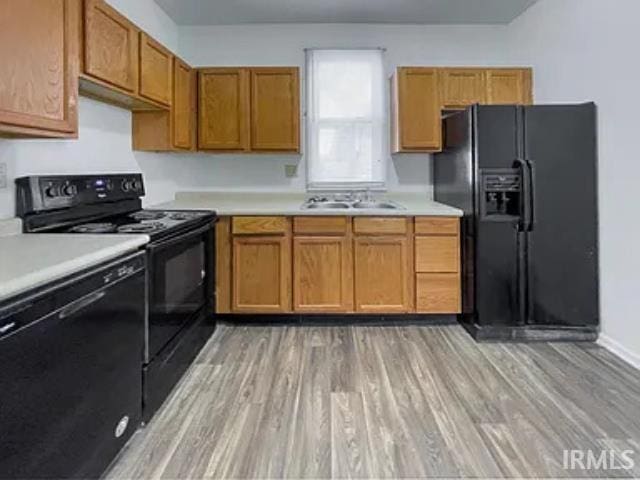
pixel 387 402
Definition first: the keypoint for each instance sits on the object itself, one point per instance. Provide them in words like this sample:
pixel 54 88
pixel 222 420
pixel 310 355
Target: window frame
pixel 381 185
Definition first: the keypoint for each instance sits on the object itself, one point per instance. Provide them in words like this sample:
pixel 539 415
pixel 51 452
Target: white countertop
pixel 274 203
pixel 31 260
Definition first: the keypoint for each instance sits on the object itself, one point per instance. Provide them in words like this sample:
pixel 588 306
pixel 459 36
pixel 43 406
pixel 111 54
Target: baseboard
pixel 337 319
pixel 619 350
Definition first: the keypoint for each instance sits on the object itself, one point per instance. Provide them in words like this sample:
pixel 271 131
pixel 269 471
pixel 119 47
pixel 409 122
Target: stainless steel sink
pixel 326 205
pixel 376 205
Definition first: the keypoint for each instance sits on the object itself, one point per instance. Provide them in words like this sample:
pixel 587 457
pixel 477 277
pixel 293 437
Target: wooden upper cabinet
pixel 461 87
pixel 110 46
pixel 416 110
pixel 183 111
pixel 275 109
pixel 156 71
pixel 39 68
pixel 223 109
pixel 509 86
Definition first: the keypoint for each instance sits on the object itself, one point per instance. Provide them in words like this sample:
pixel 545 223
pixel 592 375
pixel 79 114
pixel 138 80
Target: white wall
pixel 284 45
pixel 104 144
pixel 588 50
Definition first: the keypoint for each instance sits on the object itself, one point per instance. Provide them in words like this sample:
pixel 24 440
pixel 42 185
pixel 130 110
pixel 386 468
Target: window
pixel 345 119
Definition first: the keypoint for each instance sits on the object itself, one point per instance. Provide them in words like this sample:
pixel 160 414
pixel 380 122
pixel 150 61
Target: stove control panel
pixel 51 192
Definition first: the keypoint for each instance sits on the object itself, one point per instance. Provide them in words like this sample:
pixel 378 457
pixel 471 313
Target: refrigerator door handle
pixel 525 221
pixel 530 197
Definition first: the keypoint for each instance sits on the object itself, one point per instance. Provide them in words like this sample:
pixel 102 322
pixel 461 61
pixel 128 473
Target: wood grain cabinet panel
pixel 261 274
pixel 321 225
pixel 383 274
pixel 509 86
pixel 461 87
pixel 39 68
pixel 275 109
pixel 110 46
pixel 437 254
pixel 260 225
pixel 438 293
pixel 416 110
pixel 380 225
pixel 437 225
pixel 322 274
pixel 156 71
pixel 223 109
pixel 183 105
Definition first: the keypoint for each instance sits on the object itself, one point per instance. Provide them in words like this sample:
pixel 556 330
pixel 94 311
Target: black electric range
pixel 180 285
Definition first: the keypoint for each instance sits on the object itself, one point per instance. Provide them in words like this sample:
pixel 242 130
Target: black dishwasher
pixel 70 381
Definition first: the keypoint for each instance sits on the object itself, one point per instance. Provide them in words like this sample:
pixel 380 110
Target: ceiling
pixel 232 12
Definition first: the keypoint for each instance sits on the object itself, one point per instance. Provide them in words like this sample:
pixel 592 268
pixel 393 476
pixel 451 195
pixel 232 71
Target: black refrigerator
pixel 526 179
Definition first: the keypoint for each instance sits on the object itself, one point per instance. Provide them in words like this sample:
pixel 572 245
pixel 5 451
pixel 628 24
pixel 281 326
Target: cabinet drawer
pixel 320 225
pixel 380 225
pixel 259 225
pixel 437 225
pixel 438 293
pixel 437 254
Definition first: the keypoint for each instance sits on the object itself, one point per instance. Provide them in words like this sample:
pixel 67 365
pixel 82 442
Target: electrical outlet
pixel 291 171
pixel 3 175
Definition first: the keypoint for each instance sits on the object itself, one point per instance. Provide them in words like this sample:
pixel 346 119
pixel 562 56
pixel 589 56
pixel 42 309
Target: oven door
pixel 181 285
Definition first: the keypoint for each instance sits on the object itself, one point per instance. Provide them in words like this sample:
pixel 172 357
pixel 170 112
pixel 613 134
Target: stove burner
pixel 148 227
pixel 183 216
pixel 94 228
pixel 148 215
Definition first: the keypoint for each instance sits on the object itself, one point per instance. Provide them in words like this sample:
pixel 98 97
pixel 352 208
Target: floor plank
pixel 386 402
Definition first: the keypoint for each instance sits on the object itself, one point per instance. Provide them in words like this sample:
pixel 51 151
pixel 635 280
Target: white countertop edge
pixel 59 270
pixel 10 226
pixel 289 203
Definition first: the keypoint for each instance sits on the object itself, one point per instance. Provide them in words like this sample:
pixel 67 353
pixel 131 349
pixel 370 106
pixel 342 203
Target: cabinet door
pixel 275 110
pixel 509 86
pixel 261 274
pixel 156 70
pixel 110 46
pixel 183 105
pixel 39 67
pixel 417 113
pixel 223 109
pixel 462 87
pixel 383 274
pixel 322 274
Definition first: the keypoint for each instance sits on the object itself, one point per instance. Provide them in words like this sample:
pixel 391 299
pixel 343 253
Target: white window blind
pixel 345 119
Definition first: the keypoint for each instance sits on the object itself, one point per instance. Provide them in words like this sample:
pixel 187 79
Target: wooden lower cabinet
pixel 335 265
pixel 437 265
pixel 261 274
pixel 322 274
pixel 383 274
pixel 438 293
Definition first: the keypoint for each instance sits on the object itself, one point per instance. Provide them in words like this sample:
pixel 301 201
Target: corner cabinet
pixel 249 109
pixel 39 72
pixel 173 130
pixel 156 71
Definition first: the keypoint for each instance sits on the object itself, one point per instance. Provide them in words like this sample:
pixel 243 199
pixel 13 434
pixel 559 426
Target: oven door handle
pixel 180 238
